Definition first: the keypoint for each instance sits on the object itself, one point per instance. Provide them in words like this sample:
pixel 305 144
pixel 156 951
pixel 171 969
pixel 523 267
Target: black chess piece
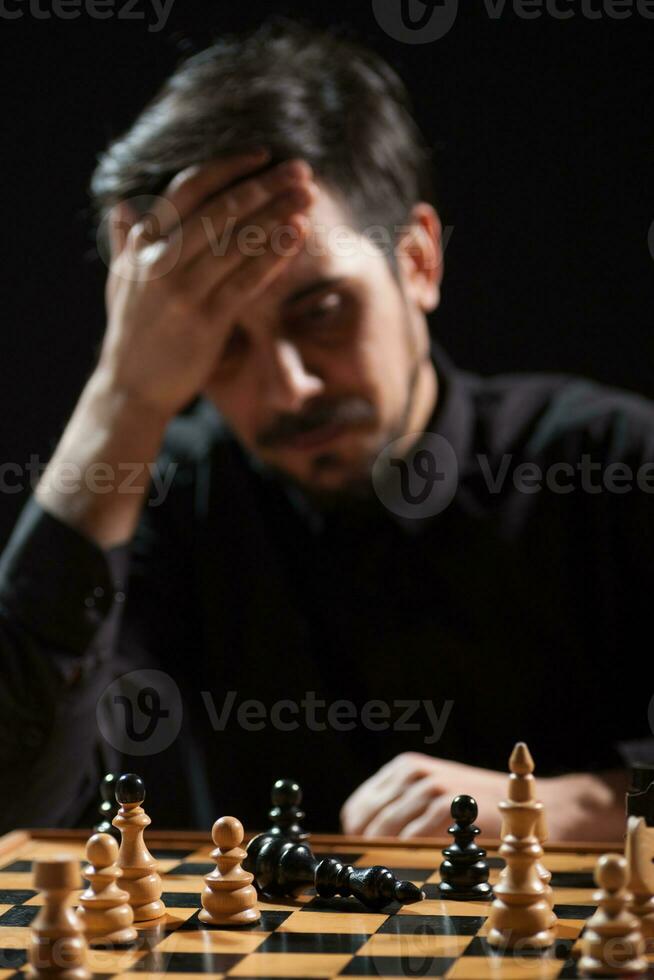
pixel 286 797
pixel 130 788
pixel 283 867
pixel 108 808
pixel 464 872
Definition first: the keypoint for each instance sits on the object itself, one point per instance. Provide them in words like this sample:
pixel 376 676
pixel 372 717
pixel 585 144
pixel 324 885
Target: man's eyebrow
pixel 312 287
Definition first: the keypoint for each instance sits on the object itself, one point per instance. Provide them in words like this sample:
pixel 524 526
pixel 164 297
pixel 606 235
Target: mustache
pixel 344 411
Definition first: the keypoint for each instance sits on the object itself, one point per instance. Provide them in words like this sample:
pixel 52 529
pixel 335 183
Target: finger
pixel 377 792
pixel 191 186
pixel 432 823
pixel 366 801
pixel 255 274
pixel 387 783
pixel 244 201
pixel 120 221
pixel 203 276
pixel 405 808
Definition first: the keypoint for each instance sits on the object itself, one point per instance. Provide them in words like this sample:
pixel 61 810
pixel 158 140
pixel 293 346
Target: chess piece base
pixel 121 937
pixel 509 940
pixel 153 910
pixel 478 893
pixel 590 967
pixel 247 917
pixel 56 973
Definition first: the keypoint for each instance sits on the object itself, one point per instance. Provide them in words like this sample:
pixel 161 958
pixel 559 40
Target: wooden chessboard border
pixel 171 838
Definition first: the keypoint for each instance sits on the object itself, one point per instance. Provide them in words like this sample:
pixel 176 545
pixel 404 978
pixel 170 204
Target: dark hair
pixel 301 92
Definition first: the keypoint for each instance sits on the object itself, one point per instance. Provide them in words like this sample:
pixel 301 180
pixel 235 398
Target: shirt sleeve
pixel 60 606
pixel 56 582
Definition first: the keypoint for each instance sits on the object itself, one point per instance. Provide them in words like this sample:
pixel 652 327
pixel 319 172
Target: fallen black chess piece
pixel 283 867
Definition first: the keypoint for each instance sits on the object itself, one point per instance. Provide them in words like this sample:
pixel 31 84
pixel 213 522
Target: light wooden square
pixel 414 944
pixel 284 965
pixel 338 922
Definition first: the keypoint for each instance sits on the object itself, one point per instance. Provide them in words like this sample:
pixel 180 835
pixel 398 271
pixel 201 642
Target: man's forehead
pixel 332 250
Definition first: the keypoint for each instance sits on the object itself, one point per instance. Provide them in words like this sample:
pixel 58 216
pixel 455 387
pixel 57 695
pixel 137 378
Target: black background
pixel 544 160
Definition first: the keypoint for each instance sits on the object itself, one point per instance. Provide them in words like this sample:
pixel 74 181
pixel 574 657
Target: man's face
pixel 323 368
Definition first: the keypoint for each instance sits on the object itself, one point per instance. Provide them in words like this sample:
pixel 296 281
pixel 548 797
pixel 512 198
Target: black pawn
pixel 108 808
pixel 286 797
pixel 130 788
pixel 464 872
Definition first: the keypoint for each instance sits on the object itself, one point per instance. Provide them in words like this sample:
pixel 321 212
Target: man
pixel 306 542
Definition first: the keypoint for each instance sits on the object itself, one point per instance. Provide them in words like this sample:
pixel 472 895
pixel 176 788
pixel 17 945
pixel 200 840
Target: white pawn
pixel 612 943
pixel 57 949
pixel 229 898
pixel 105 912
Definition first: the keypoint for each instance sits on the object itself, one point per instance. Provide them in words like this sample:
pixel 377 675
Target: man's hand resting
pixel 411 795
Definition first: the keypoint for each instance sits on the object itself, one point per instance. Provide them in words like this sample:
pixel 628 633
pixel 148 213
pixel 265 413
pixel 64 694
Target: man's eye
pixel 329 305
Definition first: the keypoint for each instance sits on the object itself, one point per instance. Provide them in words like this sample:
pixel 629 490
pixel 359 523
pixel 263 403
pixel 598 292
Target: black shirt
pixel 259 637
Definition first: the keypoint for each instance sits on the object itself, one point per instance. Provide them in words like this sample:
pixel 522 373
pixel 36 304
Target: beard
pixel 355 491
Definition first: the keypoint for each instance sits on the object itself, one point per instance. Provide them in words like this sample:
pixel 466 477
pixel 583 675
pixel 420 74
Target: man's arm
pixel 411 795
pixel 60 584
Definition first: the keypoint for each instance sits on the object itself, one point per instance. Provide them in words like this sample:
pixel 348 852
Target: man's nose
pixel 286 382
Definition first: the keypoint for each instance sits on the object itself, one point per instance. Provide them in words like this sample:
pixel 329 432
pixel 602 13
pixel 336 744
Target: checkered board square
pixel 306 937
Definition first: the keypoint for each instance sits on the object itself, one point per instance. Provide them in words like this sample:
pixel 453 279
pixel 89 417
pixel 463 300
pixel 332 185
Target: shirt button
pixel 89 602
pixel 98 591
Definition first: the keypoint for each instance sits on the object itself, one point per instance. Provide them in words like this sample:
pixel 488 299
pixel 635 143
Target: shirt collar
pixel 453 415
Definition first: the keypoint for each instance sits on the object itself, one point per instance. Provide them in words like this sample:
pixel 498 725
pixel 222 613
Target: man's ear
pixel 419 254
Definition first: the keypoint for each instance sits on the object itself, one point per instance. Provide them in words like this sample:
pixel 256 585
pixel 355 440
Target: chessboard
pixel 307 936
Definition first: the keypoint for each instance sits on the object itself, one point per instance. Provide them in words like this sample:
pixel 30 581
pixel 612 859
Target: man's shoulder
pixel 535 411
